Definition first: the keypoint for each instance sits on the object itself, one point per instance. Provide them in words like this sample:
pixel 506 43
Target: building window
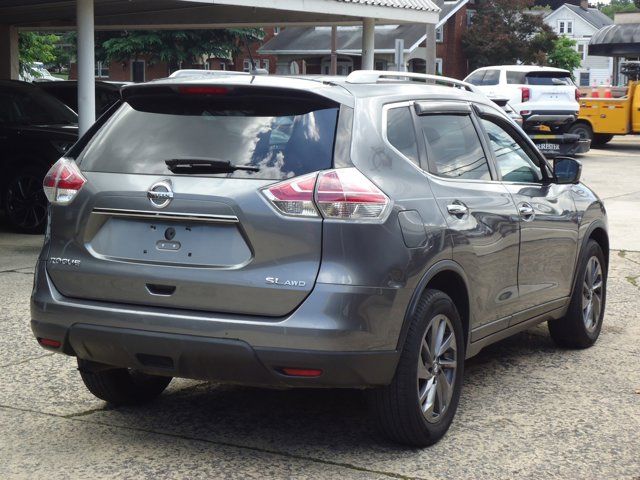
pixel 470 15
pixel 582 50
pixel 246 65
pixel 137 71
pixel 438 66
pixel 223 66
pixel 345 66
pixel 440 35
pixel 584 79
pixel 266 64
pixel 381 65
pixel 276 30
pixel 565 27
pixel 102 70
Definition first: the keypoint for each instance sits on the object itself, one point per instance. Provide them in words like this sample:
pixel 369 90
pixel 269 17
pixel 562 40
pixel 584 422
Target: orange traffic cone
pixel 594 92
pixel 607 93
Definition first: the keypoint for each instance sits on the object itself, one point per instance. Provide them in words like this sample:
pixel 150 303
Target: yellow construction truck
pixel 602 118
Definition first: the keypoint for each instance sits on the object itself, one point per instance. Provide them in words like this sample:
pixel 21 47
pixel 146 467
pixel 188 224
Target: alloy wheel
pixel 437 364
pixel 26 201
pixel 592 290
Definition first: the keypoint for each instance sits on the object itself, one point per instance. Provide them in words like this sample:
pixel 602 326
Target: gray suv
pixel 369 232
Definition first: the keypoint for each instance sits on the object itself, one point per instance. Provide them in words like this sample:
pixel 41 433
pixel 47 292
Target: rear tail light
pixel 294 196
pixel 48 342
pixel 348 194
pixel 344 194
pixel 63 182
pixel 526 94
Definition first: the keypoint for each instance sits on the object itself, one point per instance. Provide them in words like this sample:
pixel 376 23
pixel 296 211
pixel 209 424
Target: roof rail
pixel 376 76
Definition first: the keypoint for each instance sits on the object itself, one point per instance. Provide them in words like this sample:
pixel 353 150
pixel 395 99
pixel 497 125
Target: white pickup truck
pixel 541 95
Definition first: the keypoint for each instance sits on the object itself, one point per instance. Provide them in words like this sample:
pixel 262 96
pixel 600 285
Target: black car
pixel 35 130
pixel 107 93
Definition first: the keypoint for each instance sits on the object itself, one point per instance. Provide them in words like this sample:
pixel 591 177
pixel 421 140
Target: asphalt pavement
pixel 528 409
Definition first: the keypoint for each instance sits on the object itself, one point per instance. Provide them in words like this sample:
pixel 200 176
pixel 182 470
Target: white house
pixel 580 23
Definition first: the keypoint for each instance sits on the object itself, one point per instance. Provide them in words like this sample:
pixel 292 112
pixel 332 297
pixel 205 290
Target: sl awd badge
pixel 285 283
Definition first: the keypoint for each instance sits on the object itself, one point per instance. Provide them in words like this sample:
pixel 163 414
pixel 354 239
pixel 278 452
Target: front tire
pixel 581 325
pixel 417 408
pixel 25 203
pixel 121 386
pixel 600 139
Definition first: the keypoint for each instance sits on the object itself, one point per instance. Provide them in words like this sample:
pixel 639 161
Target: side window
pixel 491 77
pixel 401 133
pixel 453 147
pixel 476 77
pixel 516 78
pixel 513 162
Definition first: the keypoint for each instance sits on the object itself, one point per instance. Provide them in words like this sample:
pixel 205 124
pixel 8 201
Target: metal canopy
pixel 141 14
pixel 621 40
pixel 88 15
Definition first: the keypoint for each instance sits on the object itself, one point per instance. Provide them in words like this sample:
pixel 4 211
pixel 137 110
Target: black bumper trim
pixel 218 359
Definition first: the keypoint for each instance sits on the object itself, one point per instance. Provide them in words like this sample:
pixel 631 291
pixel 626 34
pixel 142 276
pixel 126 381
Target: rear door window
pixel 453 147
pixel 516 78
pixel 283 137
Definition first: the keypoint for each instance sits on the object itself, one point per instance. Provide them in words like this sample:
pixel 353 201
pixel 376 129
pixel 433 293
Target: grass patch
pixel 633 280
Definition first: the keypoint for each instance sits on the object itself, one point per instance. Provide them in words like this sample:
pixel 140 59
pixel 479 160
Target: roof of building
pixel 317 40
pixel 148 14
pixel 616 40
pixel 591 15
pixel 425 5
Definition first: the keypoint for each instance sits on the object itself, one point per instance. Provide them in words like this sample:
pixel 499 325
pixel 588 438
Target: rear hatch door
pixel 140 233
pixel 553 90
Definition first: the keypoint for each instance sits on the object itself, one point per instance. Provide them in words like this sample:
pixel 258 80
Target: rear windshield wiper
pixel 195 166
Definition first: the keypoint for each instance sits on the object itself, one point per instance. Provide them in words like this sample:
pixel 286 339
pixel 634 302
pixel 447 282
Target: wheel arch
pixel 579 122
pixel 597 231
pixel 448 277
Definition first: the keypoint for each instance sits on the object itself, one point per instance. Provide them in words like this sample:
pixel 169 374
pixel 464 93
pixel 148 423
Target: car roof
pixel 16 84
pixel 524 68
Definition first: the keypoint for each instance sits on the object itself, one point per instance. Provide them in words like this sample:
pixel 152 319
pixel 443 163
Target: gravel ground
pixel 528 409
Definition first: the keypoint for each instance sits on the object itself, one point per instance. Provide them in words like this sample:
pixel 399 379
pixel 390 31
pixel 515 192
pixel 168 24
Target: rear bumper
pixel 350 333
pixel 550 117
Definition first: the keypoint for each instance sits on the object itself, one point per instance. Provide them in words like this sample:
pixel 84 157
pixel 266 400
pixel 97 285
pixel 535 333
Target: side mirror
pixel 566 170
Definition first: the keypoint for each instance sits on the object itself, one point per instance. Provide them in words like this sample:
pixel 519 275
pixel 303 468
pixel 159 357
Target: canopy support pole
pixel 86 65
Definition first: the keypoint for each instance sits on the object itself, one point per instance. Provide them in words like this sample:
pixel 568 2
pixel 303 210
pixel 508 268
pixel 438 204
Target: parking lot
pixel 528 408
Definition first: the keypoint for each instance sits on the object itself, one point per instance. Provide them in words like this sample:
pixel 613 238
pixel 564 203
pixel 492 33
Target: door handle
pixel 457 209
pixel 527 212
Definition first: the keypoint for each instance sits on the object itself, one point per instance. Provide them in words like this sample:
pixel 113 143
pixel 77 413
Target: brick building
pixel 143 69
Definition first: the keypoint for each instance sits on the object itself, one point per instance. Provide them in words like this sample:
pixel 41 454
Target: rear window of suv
pixel 284 137
pixel 539 78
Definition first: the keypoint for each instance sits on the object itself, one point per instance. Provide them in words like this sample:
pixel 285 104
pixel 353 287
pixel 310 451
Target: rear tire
pixel 121 386
pixel 583 129
pixel 417 408
pixel 601 139
pixel 581 325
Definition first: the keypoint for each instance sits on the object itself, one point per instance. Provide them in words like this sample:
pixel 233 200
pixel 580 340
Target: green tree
pixel 616 6
pixel 502 32
pixel 564 54
pixel 174 47
pixel 36 47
